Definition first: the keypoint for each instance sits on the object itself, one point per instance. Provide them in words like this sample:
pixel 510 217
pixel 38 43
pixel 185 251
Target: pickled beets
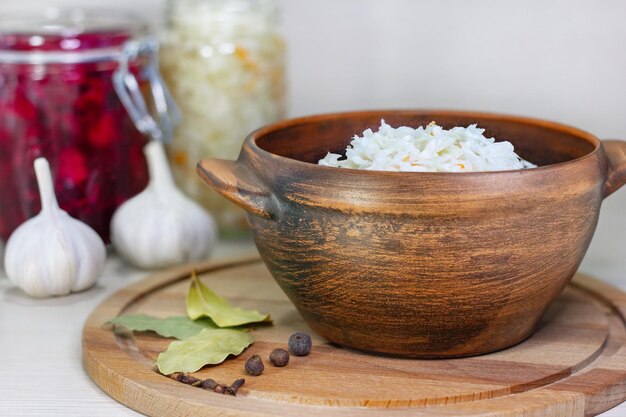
pixel 70 114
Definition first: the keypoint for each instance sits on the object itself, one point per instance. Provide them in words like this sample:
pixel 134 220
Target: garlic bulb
pixel 53 253
pixel 160 226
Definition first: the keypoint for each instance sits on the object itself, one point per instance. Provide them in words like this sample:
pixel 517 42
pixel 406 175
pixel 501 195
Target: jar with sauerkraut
pixel 224 62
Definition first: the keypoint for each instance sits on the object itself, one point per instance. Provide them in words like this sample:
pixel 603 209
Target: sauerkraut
pixel 224 62
pixel 427 149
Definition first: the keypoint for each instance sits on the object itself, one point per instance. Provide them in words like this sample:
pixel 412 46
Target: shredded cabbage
pixel 224 62
pixel 427 149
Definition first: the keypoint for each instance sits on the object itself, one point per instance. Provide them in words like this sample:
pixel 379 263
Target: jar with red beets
pixel 57 100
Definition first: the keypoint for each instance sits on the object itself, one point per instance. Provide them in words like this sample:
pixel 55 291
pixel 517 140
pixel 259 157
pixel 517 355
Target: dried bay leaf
pixel 202 302
pixel 179 327
pixel 209 347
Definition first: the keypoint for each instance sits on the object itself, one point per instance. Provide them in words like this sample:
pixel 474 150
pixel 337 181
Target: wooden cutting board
pixel 574 365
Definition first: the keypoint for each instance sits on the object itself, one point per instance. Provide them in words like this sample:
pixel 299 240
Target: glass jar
pixel 57 100
pixel 224 62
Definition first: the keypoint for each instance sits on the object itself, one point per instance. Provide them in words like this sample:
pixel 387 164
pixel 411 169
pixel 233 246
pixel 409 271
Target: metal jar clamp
pixel 127 88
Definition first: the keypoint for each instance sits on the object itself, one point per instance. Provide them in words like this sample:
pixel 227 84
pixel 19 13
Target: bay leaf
pixel 202 302
pixel 179 327
pixel 209 347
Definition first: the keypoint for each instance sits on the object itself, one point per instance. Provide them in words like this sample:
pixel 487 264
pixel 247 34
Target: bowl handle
pixel 236 182
pixel 616 177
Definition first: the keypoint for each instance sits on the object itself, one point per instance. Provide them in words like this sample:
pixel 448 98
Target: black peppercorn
pixel 279 357
pixel 300 344
pixel 254 365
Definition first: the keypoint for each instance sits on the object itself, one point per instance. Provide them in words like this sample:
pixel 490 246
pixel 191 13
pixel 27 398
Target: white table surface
pixel 40 340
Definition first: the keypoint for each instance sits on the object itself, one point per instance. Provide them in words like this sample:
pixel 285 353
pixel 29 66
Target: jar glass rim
pixel 68 21
pixel 66 35
pixel 232 6
pixel 178 11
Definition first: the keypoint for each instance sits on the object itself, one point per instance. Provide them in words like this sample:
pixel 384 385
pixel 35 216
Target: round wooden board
pixel 574 365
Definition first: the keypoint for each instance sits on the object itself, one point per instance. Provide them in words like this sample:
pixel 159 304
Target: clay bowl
pixel 420 264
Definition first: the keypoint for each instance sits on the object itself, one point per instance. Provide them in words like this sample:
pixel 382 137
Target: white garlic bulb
pixel 53 253
pixel 161 226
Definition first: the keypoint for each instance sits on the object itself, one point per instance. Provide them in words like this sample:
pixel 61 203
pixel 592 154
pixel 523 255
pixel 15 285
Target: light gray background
pixel 557 59
pixel 563 60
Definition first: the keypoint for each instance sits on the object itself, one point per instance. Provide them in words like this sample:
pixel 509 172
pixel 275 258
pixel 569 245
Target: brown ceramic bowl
pixel 420 264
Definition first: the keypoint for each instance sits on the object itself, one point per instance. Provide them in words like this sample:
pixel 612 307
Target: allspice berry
pixel 254 365
pixel 300 344
pixel 279 357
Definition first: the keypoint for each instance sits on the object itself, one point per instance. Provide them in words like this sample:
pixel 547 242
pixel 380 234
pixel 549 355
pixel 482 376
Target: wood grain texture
pixel 573 365
pixel 420 264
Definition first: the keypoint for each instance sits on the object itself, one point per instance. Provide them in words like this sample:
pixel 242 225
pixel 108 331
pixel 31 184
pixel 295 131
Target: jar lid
pixel 66 35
